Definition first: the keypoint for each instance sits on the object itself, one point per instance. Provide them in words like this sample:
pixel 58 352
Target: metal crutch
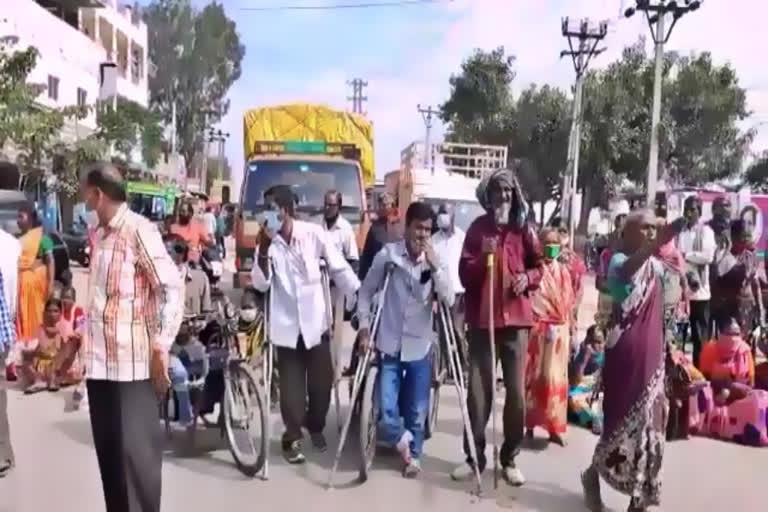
pixel 492 340
pixel 357 382
pixel 326 283
pixel 458 381
pixel 267 367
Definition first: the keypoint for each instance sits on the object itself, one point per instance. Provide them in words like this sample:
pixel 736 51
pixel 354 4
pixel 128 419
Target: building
pixel 74 39
pixel 470 160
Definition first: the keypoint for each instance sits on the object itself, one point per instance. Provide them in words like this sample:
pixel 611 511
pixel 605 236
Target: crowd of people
pixel 511 290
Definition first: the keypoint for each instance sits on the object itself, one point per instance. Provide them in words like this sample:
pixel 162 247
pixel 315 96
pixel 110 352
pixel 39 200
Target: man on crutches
pixel 405 332
pixel 288 265
pixel 498 312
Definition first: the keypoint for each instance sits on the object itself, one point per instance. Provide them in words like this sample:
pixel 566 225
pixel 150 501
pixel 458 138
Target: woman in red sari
pixel 549 345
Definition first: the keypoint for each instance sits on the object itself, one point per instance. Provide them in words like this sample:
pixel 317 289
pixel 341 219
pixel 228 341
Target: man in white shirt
pixel 448 242
pixel 338 229
pixel 288 265
pixel 9 268
pixel 697 243
pixel 404 338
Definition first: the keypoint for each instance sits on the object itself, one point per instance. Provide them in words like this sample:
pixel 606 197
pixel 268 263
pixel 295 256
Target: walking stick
pixel 333 341
pixel 267 367
pixel 492 339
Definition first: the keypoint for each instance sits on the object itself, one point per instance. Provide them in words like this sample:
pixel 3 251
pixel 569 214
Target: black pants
pixel 129 444
pixel 512 349
pixel 6 451
pixel 700 326
pixel 306 378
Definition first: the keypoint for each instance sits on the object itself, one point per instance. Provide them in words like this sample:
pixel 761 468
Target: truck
pixel 313 149
pixel 435 187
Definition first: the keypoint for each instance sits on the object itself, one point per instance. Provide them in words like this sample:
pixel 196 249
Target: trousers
pixel 404 390
pixel 129 444
pixel 306 378
pixel 512 349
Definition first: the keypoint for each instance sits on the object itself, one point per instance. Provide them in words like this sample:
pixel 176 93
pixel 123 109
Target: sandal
pixel 35 388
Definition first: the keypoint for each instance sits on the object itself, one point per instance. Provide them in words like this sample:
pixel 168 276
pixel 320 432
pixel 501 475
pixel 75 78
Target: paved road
pixel 57 470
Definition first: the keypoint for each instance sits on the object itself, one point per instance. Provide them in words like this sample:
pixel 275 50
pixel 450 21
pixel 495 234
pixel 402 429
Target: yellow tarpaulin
pixel 309 122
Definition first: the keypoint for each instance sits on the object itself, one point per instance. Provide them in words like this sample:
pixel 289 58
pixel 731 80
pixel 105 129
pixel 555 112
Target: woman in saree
pixel 36 273
pixel 549 345
pixel 629 454
pixel 729 407
pixel 584 406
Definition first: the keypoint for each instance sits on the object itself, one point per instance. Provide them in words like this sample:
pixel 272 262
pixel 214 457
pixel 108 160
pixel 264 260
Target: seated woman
pixel 729 407
pixel 583 402
pixel 45 361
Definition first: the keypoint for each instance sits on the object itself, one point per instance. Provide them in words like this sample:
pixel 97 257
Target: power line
pixel 366 5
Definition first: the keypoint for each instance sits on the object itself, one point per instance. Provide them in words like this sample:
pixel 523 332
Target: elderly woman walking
pixel 629 453
pixel 546 372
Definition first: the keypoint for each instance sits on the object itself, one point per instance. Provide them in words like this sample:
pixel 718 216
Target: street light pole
pixel 655 13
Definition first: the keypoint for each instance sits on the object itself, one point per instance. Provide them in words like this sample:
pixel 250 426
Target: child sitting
pixel 74 316
pixel 583 394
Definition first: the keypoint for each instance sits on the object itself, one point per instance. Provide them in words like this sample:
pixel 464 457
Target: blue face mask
pixel 272 219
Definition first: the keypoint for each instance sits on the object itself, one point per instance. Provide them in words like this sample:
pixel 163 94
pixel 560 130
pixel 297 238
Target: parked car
pixel 78 245
pixel 10 203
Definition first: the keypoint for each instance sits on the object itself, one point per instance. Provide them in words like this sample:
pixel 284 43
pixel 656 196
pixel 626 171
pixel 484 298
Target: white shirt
pixel 9 265
pixel 449 248
pixel 405 327
pixel 209 220
pixel 297 295
pixel 342 236
pixel 699 254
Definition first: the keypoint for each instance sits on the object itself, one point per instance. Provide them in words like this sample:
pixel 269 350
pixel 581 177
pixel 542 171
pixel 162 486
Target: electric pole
pixel 426 114
pixel 582 47
pixel 220 138
pixel 357 97
pixel 656 13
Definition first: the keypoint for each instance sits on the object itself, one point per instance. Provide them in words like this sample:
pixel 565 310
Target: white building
pixel 74 38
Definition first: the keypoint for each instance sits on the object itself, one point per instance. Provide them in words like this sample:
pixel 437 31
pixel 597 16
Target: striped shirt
pixel 7 325
pixel 135 299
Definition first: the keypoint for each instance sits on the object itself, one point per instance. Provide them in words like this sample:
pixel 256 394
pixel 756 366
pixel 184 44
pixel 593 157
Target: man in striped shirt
pixel 135 306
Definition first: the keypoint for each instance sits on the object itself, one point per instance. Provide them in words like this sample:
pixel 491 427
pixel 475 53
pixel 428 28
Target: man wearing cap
pixel 505 233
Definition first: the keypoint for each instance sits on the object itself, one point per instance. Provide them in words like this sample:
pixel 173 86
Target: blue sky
pixel 408 53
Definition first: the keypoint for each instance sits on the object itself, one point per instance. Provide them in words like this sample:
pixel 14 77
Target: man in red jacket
pixel 504 232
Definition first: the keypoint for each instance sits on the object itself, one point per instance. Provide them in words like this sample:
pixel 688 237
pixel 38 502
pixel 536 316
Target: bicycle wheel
pixel 437 365
pixel 369 420
pixel 245 420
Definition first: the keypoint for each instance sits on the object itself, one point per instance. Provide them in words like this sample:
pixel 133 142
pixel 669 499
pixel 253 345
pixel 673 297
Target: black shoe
pixel 293 453
pixel 318 441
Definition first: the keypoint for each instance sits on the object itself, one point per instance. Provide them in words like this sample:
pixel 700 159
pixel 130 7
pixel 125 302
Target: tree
pixel 129 125
pixel 198 56
pixel 540 131
pixel 705 102
pixel 479 107
pixel 757 174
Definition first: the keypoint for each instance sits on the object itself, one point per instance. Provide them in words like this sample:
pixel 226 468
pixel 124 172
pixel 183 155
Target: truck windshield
pixel 310 180
pixel 465 211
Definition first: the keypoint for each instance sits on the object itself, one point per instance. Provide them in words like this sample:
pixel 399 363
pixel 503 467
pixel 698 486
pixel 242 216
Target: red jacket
pixel 518 251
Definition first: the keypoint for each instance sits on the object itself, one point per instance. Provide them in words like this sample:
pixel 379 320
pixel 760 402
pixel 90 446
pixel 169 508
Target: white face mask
pixel 444 221
pixel 272 219
pixel 248 315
